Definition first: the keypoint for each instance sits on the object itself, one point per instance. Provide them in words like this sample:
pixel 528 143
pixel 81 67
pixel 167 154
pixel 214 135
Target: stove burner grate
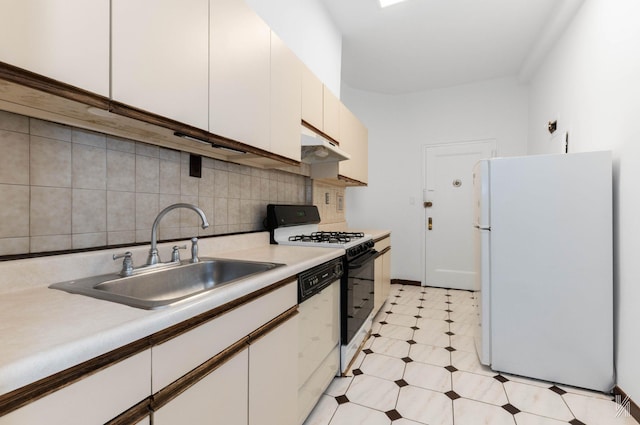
pixel 327 237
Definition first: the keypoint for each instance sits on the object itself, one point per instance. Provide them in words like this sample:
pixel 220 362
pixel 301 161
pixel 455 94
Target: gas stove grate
pixel 327 237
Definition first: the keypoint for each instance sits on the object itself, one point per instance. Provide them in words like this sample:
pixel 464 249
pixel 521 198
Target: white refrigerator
pixel 544 268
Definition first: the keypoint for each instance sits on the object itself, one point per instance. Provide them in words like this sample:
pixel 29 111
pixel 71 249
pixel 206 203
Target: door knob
pixel 428 204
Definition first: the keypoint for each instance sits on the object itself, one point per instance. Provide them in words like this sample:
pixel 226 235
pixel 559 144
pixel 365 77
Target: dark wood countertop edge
pixel 383 237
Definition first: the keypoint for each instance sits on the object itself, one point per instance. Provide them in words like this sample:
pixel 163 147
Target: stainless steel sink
pixel 161 287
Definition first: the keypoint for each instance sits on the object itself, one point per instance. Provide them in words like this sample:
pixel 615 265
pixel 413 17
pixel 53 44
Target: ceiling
pixel 426 44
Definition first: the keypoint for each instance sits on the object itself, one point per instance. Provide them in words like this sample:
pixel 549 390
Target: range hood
pixel 317 149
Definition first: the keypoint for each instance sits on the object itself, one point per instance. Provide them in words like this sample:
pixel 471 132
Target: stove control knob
pixel 337 270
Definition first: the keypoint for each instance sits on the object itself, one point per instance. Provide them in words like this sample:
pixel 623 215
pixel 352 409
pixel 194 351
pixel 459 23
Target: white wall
pixel 399 127
pixel 307 28
pixel 590 82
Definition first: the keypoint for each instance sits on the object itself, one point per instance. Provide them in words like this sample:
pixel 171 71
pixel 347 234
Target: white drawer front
pixel 93 400
pixel 179 355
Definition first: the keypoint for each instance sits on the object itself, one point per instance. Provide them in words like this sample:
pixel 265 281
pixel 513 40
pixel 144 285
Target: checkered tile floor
pixel 420 367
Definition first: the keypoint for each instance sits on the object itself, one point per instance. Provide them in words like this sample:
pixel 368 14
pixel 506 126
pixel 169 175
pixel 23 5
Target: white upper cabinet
pixel 331 114
pixel 312 104
pixel 160 57
pixel 239 85
pixel 354 140
pixel 67 40
pixel 286 94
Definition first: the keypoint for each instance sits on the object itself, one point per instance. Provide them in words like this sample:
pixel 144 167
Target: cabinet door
pixel 239 84
pixel 273 376
pixel 331 114
pixel 386 274
pixel 353 139
pixel 312 105
pixel 219 398
pixel 93 400
pixel 160 57
pixel 67 40
pixel 378 294
pixel 286 93
pixel 177 356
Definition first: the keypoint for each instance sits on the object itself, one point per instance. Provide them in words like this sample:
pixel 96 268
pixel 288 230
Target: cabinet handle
pixel 430 225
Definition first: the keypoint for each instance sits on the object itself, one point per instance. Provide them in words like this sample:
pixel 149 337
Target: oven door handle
pixel 360 261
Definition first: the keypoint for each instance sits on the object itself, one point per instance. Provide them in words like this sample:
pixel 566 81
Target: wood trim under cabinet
pixel 320 132
pixel 187 130
pixel 22 396
pixel 634 409
pixel 62 90
pixel 351 182
pixel 49 85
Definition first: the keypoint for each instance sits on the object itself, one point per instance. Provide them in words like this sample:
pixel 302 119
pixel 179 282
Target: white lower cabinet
pixel 273 376
pixel 256 386
pixel 219 398
pixel 238 367
pixel 382 273
pixel 92 400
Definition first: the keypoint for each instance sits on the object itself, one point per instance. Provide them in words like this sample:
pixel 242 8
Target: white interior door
pixel 448 200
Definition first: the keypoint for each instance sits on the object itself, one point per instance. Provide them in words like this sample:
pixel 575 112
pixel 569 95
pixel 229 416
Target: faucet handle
pixel 175 255
pixel 127 263
pixel 194 250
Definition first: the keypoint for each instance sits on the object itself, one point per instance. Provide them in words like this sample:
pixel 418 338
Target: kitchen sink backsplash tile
pixel 68 188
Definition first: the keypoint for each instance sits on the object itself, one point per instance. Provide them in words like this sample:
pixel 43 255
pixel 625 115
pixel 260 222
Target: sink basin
pixel 165 286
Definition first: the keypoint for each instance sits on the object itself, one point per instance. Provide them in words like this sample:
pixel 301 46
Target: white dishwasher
pixel 319 332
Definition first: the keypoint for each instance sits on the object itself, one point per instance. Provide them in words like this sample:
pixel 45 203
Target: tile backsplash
pixel 330 201
pixel 67 188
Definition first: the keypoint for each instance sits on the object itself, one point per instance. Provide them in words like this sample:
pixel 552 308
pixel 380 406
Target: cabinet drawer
pixel 220 397
pixel 382 244
pixel 179 355
pixel 93 400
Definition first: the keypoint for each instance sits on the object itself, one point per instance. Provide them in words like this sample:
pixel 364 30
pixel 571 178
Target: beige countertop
pixel 343 227
pixel 45 331
pixel 375 233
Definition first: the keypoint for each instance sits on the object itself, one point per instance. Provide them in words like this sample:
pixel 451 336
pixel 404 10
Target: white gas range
pixel 297 225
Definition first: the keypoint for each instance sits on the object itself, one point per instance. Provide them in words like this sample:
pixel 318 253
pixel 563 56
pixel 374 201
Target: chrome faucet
pixel 153 257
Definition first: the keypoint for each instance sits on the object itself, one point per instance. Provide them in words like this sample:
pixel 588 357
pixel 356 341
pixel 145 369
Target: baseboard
pixel 405 282
pixel 634 409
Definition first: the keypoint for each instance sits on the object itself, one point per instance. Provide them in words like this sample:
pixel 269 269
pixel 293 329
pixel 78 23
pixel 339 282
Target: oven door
pixel 357 295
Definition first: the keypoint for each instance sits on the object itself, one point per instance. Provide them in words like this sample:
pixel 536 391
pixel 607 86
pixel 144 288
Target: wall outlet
pixel 327 198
